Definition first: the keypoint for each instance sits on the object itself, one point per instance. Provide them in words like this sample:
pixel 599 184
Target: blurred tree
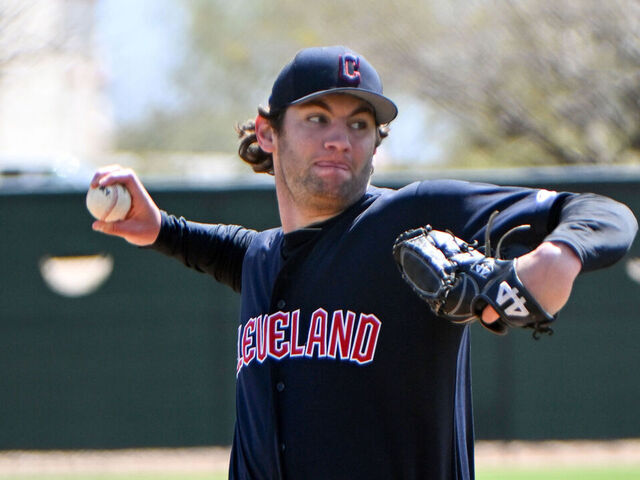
pixel 222 76
pixel 553 82
pixel 532 82
pixel 12 44
pixel 51 103
pixel 28 31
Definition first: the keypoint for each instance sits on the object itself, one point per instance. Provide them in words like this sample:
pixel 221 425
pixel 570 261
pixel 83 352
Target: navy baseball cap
pixel 317 71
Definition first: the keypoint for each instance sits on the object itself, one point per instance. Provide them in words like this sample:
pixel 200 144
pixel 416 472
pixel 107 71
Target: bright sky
pixel 140 43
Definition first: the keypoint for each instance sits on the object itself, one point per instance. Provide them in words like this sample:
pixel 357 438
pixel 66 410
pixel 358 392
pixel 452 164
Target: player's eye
pixel 361 124
pixel 317 118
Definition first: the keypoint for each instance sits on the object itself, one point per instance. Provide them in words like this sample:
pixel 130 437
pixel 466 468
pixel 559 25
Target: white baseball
pixel 109 204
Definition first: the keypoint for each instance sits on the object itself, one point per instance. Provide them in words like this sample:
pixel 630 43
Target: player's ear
pixel 264 134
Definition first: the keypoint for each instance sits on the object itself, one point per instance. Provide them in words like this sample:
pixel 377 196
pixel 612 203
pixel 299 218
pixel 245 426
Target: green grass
pixel 513 474
pixel 568 473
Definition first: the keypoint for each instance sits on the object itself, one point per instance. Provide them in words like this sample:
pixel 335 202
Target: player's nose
pixel 337 138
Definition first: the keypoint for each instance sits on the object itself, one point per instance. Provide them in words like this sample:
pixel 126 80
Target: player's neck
pixel 303 210
pixel 297 214
pixel 294 218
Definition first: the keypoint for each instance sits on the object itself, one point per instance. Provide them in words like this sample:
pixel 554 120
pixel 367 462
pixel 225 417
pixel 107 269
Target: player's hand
pixel 142 224
pixel 548 272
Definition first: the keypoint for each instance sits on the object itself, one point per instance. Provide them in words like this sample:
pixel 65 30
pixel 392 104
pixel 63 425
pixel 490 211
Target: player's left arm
pixel 592 232
pixel 549 273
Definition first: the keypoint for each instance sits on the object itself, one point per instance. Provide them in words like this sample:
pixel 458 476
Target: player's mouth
pixel 330 164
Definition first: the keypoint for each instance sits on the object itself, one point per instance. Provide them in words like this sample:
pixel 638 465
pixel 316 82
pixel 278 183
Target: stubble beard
pixel 321 193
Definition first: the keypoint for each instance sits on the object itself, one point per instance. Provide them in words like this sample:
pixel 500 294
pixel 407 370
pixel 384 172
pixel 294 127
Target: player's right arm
pixel 142 224
pixel 215 249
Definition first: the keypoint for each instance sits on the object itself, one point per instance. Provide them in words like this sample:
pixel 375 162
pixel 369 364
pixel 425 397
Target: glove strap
pixel 515 305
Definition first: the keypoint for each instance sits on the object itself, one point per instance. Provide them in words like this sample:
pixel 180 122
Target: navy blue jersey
pixel 343 372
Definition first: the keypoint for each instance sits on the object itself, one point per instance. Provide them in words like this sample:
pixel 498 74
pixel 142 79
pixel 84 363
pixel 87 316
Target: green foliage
pixel 526 82
pixel 199 130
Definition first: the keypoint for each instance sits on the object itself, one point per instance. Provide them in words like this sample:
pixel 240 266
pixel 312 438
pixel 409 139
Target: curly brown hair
pixel 261 161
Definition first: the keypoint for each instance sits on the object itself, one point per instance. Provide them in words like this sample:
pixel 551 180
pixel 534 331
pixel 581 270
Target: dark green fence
pixel 148 359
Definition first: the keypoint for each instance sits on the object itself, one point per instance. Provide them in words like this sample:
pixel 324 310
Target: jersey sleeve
pixel 215 249
pixel 598 229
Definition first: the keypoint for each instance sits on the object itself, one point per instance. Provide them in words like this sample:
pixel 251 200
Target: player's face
pixel 323 154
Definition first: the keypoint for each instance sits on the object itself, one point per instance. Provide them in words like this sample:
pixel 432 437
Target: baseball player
pixel 343 371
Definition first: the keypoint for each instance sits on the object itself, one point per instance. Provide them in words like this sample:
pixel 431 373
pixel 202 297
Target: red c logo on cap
pixel 349 69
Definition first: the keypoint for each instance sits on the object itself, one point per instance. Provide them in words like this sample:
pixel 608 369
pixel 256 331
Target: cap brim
pixel 385 110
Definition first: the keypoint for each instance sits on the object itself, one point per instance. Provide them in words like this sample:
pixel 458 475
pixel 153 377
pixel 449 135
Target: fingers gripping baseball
pixel 141 225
